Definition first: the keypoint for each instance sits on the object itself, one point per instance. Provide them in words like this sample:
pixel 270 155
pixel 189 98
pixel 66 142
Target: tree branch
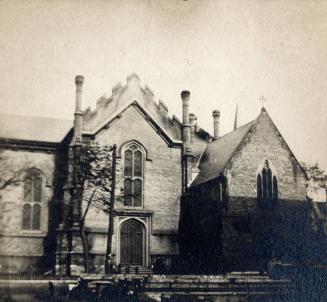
pixel 12 180
pixel 88 205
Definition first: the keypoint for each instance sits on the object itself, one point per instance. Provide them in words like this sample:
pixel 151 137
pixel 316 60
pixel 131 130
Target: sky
pixel 225 52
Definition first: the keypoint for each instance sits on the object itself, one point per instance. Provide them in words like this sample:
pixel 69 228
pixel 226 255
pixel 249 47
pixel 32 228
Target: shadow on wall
pixel 216 240
pixel 56 205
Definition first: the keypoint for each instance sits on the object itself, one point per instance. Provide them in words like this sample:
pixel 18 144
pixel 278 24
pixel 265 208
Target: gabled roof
pixel 197 151
pixel 49 130
pixel 218 153
pixel 132 94
pixel 37 129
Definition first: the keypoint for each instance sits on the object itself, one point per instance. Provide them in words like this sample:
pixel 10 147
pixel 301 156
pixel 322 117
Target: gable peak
pixel 133 77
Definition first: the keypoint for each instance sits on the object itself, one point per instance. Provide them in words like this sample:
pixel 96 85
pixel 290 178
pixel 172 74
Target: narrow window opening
pixel 32 206
pixel 267 188
pixel 133 176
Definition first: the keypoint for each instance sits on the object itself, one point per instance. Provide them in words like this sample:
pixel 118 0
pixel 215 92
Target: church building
pixel 181 193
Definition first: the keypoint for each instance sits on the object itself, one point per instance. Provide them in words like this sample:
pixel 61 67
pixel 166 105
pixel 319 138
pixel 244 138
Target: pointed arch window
pixel 267 188
pixel 133 175
pixel 32 201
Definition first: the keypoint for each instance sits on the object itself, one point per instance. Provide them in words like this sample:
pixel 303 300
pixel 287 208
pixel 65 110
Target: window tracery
pixel 133 175
pixel 32 201
pixel 267 187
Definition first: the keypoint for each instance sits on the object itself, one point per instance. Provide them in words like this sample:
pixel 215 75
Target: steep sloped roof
pixel 197 151
pixel 217 154
pixel 37 129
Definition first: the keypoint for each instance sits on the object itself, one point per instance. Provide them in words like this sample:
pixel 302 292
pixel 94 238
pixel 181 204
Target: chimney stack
pixel 216 115
pixel 192 118
pixel 186 121
pixel 78 115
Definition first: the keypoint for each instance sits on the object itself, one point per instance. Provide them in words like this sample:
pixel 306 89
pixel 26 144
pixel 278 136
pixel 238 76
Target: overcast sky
pixel 225 53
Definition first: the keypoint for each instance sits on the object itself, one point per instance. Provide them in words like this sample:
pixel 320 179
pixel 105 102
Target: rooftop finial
pixel 133 76
pixel 236 118
pixel 262 99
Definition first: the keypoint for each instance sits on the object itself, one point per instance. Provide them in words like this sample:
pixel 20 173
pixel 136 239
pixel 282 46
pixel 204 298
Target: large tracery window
pixel 133 175
pixel 32 201
pixel 267 188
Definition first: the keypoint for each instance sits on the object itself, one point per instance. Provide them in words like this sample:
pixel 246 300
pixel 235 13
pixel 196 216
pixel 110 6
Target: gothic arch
pixel 136 142
pixel 267 185
pixel 271 166
pixel 45 177
pixel 132 242
pixel 34 200
pixel 133 161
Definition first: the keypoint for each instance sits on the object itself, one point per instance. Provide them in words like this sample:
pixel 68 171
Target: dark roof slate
pixel 218 153
pixel 197 151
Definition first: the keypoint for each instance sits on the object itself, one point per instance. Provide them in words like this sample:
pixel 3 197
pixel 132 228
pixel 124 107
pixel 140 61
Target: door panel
pixel 132 242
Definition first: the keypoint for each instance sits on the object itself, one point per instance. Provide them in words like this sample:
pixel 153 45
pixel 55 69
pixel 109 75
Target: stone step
pixel 238 277
pixel 134 269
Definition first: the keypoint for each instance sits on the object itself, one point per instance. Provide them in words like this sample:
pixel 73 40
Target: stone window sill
pixel 25 234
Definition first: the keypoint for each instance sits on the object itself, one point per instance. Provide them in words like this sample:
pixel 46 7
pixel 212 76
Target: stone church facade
pixel 193 194
pixel 248 204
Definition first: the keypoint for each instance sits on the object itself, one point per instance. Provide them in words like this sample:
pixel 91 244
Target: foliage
pixel 313 170
pixel 316 189
pixel 93 176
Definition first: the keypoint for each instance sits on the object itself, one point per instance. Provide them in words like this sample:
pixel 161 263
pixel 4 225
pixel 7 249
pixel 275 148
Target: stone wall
pixel 247 230
pixel 248 234
pixel 16 243
pixel 265 142
pixel 161 189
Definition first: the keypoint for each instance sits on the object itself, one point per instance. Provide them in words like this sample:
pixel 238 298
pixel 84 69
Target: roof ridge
pixel 224 157
pixel 33 128
pixel 233 131
pixel 34 116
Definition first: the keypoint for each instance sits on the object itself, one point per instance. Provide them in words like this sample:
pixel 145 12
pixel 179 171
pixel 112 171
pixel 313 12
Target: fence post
pixel 111 212
pixel 10 266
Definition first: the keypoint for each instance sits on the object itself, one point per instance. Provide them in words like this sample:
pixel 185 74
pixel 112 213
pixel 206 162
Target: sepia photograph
pixel 163 151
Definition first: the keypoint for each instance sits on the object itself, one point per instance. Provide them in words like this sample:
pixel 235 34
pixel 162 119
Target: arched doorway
pixel 132 242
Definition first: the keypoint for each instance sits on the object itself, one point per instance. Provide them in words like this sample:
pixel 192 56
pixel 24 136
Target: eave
pixel 29 145
pixel 146 115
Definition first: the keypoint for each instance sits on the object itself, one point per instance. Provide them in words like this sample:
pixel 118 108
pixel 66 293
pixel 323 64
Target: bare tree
pixel 9 176
pixel 93 177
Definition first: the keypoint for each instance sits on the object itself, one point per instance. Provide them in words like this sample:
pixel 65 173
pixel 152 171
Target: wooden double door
pixel 132 243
